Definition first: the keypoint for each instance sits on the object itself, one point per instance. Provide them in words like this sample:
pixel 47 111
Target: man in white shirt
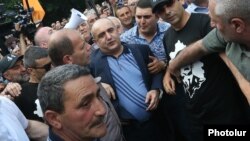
pixel 14 125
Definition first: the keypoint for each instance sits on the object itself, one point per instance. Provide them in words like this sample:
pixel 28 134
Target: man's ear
pixel 238 24
pixel 43 44
pixel 6 75
pixel 53 118
pixel 67 59
pixel 29 70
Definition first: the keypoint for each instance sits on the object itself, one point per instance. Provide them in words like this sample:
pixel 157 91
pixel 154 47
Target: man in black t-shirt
pixel 37 63
pixel 211 94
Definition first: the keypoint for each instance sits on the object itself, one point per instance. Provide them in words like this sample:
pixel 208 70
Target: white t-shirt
pixel 12 122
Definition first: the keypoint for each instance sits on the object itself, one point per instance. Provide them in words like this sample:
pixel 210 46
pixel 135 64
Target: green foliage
pixel 9 3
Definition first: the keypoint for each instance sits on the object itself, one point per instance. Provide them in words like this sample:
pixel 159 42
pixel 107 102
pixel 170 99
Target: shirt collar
pixel 161 27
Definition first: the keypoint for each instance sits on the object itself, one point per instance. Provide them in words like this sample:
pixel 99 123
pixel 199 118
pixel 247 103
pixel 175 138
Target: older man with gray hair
pixel 71 103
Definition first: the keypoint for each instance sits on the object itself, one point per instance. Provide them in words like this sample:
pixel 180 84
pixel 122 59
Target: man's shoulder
pixel 5 101
pixel 199 15
pixel 96 52
pixel 163 26
pixel 130 33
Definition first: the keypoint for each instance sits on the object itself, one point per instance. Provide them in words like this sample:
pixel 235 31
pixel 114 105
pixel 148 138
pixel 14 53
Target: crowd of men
pixel 137 70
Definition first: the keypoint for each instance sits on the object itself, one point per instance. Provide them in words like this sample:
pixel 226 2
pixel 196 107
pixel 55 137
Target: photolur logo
pixel 227 133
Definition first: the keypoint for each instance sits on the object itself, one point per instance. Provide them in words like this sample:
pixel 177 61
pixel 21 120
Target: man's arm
pixel 12 90
pixel 37 130
pixel 188 55
pixel 243 83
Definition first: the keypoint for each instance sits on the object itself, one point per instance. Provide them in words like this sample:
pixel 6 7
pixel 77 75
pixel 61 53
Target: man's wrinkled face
pixel 125 16
pixel 217 22
pixel 82 50
pixel 84 29
pixel 91 20
pixel 17 73
pixel 107 37
pixel 83 117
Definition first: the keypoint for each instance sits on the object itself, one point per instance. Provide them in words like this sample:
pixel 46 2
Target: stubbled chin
pixel 101 130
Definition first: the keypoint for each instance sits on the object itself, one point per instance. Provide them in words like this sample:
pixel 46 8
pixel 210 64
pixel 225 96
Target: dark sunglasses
pixel 47 67
pixel 168 3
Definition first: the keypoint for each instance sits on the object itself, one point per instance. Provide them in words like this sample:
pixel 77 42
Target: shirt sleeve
pixel 214 41
pixel 11 106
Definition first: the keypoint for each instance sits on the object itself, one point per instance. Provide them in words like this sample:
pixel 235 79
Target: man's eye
pixel 85 104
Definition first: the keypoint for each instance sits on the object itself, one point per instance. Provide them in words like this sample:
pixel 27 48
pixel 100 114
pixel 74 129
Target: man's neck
pixel 128 26
pixel 118 52
pixel 115 53
pixel 183 22
pixel 150 35
pixel 34 79
pixel 67 137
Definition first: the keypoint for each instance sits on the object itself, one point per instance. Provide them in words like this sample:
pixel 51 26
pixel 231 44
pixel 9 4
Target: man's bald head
pixel 61 44
pixel 99 23
pixel 67 46
pixel 42 36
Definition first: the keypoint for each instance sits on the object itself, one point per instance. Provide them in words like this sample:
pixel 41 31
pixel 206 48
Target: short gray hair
pixel 229 9
pixel 51 88
pixel 32 54
pixel 90 12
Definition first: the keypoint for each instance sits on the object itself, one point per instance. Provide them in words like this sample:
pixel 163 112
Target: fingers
pixel 152 100
pixel 175 72
pixel 155 66
pixel 178 76
pixel 169 84
pixel 152 58
pixel 170 90
pixel 13 89
pixel 112 93
pixel 109 90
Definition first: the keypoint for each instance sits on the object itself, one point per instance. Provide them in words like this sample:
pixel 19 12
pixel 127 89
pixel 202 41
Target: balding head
pixel 42 36
pixel 117 23
pixel 67 46
pixel 99 23
pixel 61 44
pixel 58 36
pixel 106 36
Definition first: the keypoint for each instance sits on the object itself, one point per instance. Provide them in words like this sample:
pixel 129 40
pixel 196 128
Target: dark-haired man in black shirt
pixel 210 95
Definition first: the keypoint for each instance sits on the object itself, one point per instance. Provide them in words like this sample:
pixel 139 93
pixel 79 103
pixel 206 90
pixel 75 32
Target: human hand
pixel 169 84
pixel 12 90
pixel 156 65
pixel 152 98
pixel 174 71
pixel 109 90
